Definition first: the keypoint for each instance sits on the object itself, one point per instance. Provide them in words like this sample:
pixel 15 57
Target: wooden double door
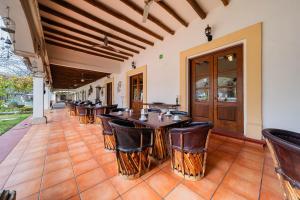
pixel 216 90
pixel 136 92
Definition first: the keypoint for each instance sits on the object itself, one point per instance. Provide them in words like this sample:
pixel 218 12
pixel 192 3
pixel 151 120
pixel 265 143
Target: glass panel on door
pixel 227 78
pixel 202 81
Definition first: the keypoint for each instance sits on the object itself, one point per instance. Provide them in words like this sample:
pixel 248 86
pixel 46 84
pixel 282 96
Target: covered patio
pixel 156 99
pixel 65 160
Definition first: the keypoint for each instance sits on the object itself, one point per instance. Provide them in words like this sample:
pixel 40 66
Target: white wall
pixel 281 51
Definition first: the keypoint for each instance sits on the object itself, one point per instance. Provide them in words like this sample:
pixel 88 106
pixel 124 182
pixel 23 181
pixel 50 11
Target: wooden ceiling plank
pixel 122 17
pixel 69 28
pixel 84 25
pixel 225 2
pixel 65 77
pixel 197 8
pixel 101 21
pixel 89 48
pixel 172 12
pixel 57 32
pixel 80 50
pixel 152 18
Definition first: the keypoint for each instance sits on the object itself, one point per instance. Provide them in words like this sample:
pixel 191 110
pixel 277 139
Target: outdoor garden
pixel 15 100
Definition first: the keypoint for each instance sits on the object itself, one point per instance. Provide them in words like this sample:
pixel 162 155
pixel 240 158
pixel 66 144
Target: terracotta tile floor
pixel 66 160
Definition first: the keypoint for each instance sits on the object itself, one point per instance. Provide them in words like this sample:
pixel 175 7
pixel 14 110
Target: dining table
pixel 161 128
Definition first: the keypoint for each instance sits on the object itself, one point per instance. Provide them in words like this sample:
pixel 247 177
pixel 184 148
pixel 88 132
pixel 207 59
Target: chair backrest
pixel 99 110
pixel 81 110
pixel 176 112
pixel 117 109
pixel 109 108
pixel 286 147
pixel 191 138
pixel 131 139
pixel 155 110
pixel 105 119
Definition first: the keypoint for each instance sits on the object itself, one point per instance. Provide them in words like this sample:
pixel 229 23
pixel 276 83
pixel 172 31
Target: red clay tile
pixel 103 191
pixel 204 187
pixel 60 191
pixel 141 191
pixel 56 165
pixel 85 166
pixel 57 177
pixel 183 192
pixel 162 183
pixel 90 179
pixel 27 175
pixel 122 184
pixel 27 188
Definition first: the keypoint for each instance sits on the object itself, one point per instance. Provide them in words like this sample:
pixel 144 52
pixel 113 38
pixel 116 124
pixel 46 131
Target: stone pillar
pixel 47 98
pixel 38 99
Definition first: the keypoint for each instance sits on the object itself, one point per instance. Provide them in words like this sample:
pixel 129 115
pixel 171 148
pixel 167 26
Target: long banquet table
pixel 161 127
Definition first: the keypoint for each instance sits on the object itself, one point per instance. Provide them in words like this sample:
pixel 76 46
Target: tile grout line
pixel 226 172
pixel 72 164
pixel 262 175
pixel 15 165
pixel 42 178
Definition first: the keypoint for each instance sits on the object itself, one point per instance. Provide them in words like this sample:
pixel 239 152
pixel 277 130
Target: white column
pixel 38 99
pixel 47 98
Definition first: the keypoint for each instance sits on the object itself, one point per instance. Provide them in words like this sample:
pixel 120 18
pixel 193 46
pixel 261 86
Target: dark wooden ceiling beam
pixel 155 20
pixel 89 48
pixel 100 21
pixel 225 2
pixel 80 50
pixel 66 77
pixel 172 12
pixel 122 17
pixel 57 32
pixel 197 8
pixel 84 25
pixel 84 33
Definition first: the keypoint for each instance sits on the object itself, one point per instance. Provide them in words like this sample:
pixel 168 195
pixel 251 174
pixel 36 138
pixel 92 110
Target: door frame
pixel 107 93
pixel 109 80
pixel 213 83
pixel 217 50
pixel 251 38
pixel 138 70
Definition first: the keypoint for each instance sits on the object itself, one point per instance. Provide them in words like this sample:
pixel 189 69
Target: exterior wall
pixel 280 52
pixel 102 83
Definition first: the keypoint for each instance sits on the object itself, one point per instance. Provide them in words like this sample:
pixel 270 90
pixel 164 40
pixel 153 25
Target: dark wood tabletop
pixel 153 121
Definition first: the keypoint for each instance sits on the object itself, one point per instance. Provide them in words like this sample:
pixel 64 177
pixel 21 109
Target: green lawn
pixel 5 124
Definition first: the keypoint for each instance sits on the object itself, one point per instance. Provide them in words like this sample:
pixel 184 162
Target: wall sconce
pixel 133 65
pixel 208 33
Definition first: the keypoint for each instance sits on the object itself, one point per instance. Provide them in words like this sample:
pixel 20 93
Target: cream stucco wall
pixel 280 53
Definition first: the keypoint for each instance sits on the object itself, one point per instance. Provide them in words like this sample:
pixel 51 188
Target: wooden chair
pixel 109 140
pixel 82 114
pixel 72 109
pixel 285 150
pixel 97 112
pixel 189 149
pixel 109 108
pixel 133 148
pixel 8 194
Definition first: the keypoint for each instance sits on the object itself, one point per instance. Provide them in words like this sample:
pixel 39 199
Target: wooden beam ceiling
pixel 70 78
pixel 197 8
pixel 172 12
pixel 111 52
pixel 225 2
pixel 84 25
pixel 152 18
pixel 84 33
pixel 122 17
pixel 100 21
pixel 81 50
pixel 89 48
